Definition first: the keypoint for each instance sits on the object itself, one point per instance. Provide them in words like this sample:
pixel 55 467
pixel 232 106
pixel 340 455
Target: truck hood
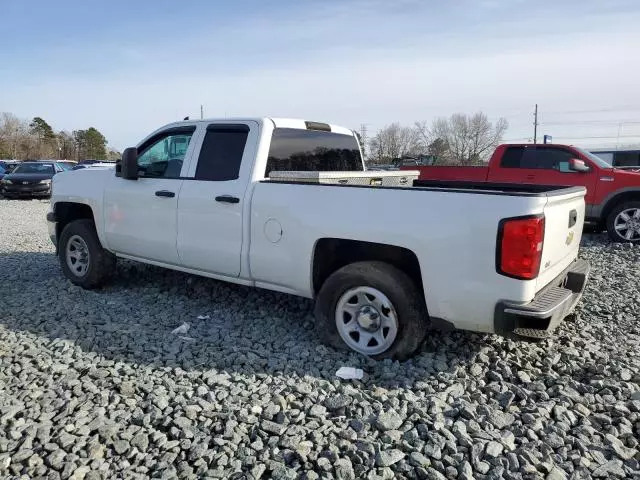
pixel 81 185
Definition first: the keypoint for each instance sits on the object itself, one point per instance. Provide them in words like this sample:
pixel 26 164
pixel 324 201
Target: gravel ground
pixel 94 385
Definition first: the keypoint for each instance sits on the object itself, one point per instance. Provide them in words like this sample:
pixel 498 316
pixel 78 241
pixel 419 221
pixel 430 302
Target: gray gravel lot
pixel 94 385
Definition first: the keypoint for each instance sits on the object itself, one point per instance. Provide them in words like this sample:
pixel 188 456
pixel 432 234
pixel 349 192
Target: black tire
pixel 614 235
pixel 102 263
pixel 401 291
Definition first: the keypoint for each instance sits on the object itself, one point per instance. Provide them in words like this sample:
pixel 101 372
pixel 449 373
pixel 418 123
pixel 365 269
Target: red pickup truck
pixel 613 195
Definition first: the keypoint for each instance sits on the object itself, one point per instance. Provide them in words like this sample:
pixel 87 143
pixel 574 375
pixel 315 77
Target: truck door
pixel 211 203
pixel 141 215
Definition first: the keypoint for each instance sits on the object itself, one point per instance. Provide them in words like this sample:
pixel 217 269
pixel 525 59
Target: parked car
pixel 30 179
pixel 94 165
pixel 9 165
pixel 613 195
pixel 197 196
pixel 621 158
pixel 67 164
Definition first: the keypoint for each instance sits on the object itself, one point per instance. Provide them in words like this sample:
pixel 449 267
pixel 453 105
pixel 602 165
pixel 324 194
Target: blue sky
pixel 127 67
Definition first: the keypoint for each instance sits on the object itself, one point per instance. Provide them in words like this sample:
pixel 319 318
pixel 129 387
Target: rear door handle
pixel 227 199
pixel 165 193
pixel 530 177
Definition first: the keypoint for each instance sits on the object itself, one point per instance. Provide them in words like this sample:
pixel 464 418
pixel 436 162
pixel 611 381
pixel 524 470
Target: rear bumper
pixel 540 317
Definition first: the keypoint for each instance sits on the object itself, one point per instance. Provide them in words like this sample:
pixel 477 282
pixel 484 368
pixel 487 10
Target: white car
pixel 382 262
pixel 82 166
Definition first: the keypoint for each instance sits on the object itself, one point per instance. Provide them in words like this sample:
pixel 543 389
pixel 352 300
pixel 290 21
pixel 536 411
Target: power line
pixel 592 122
pixel 626 108
pixel 596 137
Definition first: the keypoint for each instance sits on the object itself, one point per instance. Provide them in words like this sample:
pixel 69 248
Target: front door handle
pixel 165 193
pixel 227 199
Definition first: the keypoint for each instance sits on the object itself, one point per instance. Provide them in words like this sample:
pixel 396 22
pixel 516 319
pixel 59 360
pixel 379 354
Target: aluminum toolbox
pixel 403 178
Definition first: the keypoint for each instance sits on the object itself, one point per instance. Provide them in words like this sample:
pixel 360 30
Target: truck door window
pixel 547 159
pixel 221 153
pixel 298 149
pixel 162 156
pixel 512 157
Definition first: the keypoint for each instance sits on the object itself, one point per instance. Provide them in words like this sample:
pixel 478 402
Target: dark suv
pixel 30 179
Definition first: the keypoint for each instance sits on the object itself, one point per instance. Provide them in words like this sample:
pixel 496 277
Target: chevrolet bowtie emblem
pixel 569 238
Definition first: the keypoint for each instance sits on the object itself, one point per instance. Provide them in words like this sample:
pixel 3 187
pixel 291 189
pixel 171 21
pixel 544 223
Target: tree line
pixel 460 139
pixel 22 139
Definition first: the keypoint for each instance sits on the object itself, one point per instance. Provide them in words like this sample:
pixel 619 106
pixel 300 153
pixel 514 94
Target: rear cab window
pixel 298 149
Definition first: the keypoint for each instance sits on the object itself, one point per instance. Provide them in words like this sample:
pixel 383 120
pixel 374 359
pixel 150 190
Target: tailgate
pixel 564 219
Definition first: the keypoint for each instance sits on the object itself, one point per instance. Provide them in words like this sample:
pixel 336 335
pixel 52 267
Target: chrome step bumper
pixel 549 307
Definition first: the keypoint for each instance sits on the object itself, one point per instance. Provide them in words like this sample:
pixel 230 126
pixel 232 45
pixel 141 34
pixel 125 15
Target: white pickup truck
pixel 383 263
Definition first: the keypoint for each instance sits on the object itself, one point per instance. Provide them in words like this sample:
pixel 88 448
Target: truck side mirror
pixel 578 165
pixel 129 164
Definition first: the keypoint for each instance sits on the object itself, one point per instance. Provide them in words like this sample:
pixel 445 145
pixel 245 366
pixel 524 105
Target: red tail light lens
pixel 520 247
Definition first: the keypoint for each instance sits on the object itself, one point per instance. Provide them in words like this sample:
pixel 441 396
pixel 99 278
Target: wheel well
pixel 67 212
pixel 333 253
pixel 617 200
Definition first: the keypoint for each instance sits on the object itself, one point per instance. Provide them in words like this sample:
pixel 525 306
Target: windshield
pixel 594 158
pixel 34 168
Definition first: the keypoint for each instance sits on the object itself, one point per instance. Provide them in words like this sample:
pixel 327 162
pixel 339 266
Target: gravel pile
pixel 94 385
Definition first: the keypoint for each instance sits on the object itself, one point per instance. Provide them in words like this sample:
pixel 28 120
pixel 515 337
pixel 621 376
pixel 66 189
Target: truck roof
pixel 278 122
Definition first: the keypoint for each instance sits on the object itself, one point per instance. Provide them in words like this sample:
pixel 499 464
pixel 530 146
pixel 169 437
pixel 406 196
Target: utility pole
pixel 618 137
pixel 201 112
pixel 535 125
pixel 363 138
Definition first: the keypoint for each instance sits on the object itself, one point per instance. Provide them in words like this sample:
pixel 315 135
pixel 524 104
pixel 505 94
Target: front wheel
pixel 623 223
pixel 82 258
pixel 372 308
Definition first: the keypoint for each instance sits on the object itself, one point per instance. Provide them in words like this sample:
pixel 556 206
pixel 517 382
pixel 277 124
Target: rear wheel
pixel 372 308
pixel 82 258
pixel 623 223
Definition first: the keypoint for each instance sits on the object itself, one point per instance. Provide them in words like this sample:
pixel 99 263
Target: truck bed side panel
pixel 453 235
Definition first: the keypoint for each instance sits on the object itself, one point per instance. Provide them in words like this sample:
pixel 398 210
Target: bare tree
pixel 394 141
pixel 66 145
pixel 113 154
pixel 14 133
pixel 464 139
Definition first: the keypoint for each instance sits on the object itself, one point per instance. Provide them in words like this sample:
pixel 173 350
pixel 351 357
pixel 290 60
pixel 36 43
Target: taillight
pixel 520 247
